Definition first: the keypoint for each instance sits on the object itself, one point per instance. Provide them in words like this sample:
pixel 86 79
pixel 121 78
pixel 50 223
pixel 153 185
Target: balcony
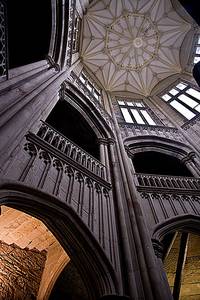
pixel 70 151
pixel 51 163
pixel 164 197
pixel 167 183
pixel 129 130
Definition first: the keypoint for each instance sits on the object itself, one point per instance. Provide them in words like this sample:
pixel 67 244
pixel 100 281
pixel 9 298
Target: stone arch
pixel 76 239
pixel 189 223
pixel 158 144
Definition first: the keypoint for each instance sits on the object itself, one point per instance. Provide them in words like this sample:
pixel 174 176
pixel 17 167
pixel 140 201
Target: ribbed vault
pixel 132 45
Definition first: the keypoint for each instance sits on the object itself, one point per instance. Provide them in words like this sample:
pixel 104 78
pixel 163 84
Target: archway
pixel 180 239
pixel 88 257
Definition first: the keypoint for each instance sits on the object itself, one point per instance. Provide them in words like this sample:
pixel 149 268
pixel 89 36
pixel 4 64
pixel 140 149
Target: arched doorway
pixel 178 240
pixel 88 257
pixel 31 257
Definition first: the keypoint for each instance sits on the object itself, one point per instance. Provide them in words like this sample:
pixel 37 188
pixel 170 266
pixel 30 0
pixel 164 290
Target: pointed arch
pixel 76 239
pixel 158 144
pixel 189 223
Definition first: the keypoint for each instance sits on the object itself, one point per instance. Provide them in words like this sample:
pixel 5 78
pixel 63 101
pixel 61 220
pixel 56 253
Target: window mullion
pixel 143 118
pixel 187 106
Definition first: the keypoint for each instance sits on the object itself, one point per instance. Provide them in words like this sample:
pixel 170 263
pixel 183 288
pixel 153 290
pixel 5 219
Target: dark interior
pixel 69 285
pixel 68 121
pixel 192 7
pixel 160 164
pixel 29 31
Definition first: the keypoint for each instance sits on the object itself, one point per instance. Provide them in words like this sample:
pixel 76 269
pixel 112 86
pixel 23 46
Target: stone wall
pixel 20 272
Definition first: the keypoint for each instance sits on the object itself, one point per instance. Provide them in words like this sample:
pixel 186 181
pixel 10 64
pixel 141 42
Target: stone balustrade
pixel 128 130
pixel 3 42
pixel 169 182
pixel 71 150
pixel 164 197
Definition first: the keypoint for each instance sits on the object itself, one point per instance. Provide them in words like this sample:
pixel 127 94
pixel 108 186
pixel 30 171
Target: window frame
pixel 181 92
pixel 76 33
pixel 139 109
pixel 88 82
pixel 195 44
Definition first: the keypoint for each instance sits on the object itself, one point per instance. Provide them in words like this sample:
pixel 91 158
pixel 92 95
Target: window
pixel 197 50
pixel 76 33
pixel 185 99
pixel 136 112
pixel 90 85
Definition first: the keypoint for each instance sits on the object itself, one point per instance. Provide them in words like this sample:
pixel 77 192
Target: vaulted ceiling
pixel 130 45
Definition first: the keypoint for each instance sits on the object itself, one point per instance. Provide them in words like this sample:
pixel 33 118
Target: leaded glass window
pixel 136 112
pixel 184 98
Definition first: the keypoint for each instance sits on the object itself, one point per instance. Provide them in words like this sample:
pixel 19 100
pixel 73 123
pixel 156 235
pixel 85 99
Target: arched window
pixel 136 112
pixel 184 99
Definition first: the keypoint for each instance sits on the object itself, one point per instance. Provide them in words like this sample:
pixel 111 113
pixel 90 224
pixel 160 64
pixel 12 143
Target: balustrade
pixel 170 182
pixel 161 131
pixel 71 150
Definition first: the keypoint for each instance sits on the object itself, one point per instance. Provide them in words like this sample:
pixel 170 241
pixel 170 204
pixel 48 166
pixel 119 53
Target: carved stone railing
pixel 128 130
pixel 3 41
pixel 167 182
pixel 72 4
pixel 165 197
pixel 53 164
pixel 71 150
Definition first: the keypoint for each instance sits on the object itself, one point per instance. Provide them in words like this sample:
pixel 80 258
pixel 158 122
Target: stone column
pixel 104 158
pixel 158 250
pixel 153 285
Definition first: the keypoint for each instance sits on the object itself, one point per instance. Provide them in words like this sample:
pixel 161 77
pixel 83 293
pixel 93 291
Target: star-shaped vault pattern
pixel 130 45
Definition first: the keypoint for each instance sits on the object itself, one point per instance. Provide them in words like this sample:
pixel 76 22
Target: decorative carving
pixel 69 149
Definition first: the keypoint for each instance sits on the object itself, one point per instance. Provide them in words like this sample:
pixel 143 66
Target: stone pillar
pixel 104 157
pixel 153 286
pixel 158 250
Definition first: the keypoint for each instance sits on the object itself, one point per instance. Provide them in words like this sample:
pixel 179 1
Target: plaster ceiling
pixel 130 45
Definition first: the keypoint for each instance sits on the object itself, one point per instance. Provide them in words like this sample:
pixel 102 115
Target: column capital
pixel 158 248
pixel 103 141
pixel 189 157
pixel 52 63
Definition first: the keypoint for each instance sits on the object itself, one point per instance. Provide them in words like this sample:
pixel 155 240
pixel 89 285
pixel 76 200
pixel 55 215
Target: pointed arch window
pixel 136 112
pixel 184 99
